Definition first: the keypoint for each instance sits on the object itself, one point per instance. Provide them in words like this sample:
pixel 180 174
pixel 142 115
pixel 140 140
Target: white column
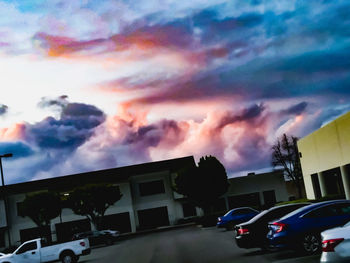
pixel 345 178
pixel 322 184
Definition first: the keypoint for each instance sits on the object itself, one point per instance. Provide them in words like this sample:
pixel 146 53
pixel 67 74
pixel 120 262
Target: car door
pixel 239 216
pixel 322 218
pixel 28 253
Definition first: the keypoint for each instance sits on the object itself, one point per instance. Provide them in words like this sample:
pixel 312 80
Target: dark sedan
pixel 97 237
pixel 236 216
pixel 253 233
pixel 301 229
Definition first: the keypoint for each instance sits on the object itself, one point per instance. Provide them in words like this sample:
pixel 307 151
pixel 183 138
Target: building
pixel 325 159
pixel 148 199
pixel 257 190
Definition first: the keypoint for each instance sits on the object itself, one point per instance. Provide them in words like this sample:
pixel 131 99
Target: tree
pixel 203 184
pixel 41 208
pixel 92 201
pixel 285 153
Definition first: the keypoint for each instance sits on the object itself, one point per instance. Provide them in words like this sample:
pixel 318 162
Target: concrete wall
pixel 259 183
pixel 325 149
pixel 157 200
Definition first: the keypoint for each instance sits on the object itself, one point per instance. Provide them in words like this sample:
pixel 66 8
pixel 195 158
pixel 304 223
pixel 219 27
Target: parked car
pixel 236 216
pixel 253 233
pixel 301 229
pixel 107 237
pixel 37 251
pixel 336 244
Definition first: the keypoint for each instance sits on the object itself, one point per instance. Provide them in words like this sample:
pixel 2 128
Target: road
pixel 188 245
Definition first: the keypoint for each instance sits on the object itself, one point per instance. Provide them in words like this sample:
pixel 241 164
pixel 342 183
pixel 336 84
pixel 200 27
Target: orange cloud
pixel 14 132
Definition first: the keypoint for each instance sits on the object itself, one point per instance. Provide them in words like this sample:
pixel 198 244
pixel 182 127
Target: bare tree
pixel 285 154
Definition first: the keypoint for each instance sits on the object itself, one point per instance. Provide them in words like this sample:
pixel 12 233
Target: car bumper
pixel 333 257
pixel 278 242
pixel 245 242
pixel 86 251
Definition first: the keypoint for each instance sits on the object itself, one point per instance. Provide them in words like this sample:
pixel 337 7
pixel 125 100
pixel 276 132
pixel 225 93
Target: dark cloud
pixel 296 109
pixel 245 115
pixel 18 149
pixel 74 127
pixel 151 135
pixel 61 102
pixel 3 109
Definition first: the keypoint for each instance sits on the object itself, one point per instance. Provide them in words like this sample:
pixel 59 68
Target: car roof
pixel 313 206
pixel 292 204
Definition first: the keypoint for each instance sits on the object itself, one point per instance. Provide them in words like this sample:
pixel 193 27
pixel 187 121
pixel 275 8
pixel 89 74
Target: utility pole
pixel 5 196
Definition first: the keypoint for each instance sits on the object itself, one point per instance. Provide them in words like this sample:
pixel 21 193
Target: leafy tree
pixel 41 208
pixel 203 184
pixel 285 154
pixel 92 201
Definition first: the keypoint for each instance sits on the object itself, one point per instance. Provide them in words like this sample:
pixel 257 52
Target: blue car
pixel 301 228
pixel 236 216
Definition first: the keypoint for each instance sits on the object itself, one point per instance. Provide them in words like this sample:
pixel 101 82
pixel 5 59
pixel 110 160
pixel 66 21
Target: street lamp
pixel 6 155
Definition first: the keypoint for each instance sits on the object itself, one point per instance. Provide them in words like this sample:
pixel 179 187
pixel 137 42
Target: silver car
pixel 336 244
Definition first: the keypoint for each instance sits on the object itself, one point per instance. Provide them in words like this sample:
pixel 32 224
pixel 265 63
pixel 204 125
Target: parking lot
pixel 188 245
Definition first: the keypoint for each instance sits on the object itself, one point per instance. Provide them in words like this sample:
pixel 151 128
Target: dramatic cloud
pixel 151 80
pixel 75 125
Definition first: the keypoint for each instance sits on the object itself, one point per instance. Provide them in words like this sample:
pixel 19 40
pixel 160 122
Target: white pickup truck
pixel 37 251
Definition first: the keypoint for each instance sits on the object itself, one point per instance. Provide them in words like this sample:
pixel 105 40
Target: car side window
pixel 27 247
pixel 323 212
pixel 243 211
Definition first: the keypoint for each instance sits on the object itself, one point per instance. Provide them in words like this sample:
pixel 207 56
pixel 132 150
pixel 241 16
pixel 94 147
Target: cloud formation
pixel 148 81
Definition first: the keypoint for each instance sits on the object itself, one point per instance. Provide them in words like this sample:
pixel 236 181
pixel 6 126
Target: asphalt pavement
pixel 191 244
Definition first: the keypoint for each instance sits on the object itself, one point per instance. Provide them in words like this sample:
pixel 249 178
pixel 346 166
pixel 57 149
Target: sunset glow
pixel 89 85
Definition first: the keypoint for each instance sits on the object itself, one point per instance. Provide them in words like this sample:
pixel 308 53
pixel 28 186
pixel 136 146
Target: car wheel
pixel 68 257
pixel 311 243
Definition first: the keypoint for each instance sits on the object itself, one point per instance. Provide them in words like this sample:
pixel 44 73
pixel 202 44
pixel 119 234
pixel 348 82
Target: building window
pixel 151 188
pixel 189 210
pixel 269 198
pixel 19 208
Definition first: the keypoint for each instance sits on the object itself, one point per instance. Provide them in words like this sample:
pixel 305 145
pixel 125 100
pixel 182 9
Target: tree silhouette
pixel 285 153
pixel 92 201
pixel 203 184
pixel 41 208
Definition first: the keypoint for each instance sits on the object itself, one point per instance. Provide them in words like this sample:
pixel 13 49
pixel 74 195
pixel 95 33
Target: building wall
pixel 130 202
pixel 258 183
pixel 165 199
pixel 325 149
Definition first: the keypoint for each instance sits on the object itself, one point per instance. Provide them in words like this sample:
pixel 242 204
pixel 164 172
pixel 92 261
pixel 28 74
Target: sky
pixel 90 85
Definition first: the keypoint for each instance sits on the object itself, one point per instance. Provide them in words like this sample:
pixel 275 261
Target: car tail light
pixel 279 227
pixel 243 231
pixel 82 243
pixel 330 244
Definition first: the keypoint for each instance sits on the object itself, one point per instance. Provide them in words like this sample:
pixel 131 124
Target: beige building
pixel 148 199
pixel 325 159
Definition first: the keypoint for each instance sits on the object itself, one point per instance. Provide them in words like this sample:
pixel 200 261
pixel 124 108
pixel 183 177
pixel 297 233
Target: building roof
pixel 114 175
